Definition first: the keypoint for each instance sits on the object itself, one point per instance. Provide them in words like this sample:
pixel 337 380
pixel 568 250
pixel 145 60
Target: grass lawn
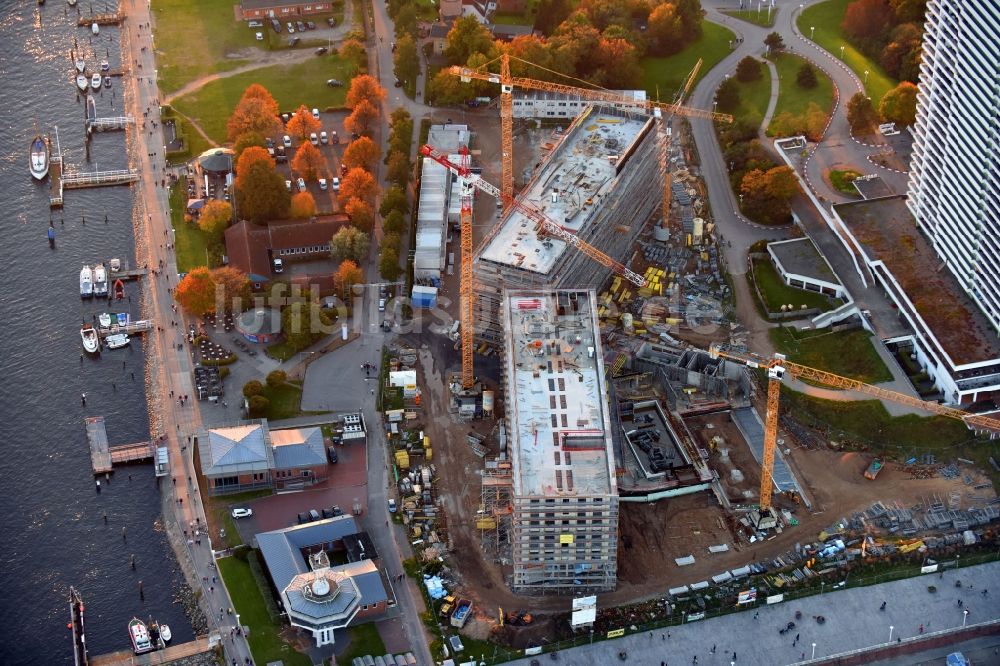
pixel 826 17
pixel 752 16
pixel 190 242
pixel 754 97
pixel 264 636
pixel 843 181
pixel 776 293
pixel 792 97
pixel 219 515
pixel 364 640
pixel 285 400
pixel 194 38
pixel 846 353
pixel 664 76
pixel 291 85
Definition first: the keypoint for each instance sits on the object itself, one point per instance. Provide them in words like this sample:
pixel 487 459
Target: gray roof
pixel 219 160
pixel 366 576
pixel 439 31
pixel 334 604
pixel 235 449
pixel 298 447
pixel 282 548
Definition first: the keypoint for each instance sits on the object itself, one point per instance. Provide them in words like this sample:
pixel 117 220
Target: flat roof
pixel 799 256
pixel 872 187
pixel 888 232
pixel 558 409
pixel 568 187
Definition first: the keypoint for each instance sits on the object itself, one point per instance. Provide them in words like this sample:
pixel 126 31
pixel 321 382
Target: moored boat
pixel 139 634
pixel 105 66
pixel 39 157
pixel 71 3
pixel 116 341
pixel 122 318
pixel 80 64
pixel 86 282
pixel 91 108
pixel 95 81
pixel 104 320
pixel 94 28
pixel 119 289
pixel 82 83
pixel 165 633
pixel 100 281
pixel 91 341
pixel 107 81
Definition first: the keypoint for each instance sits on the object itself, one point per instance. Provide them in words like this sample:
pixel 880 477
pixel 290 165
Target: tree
pixel 361 153
pixel 303 124
pixel 899 105
pixel 358 184
pixel 276 378
pixel 349 243
pixel 664 30
pixel 901 56
pixel 446 89
pixel 348 274
pixel 815 122
pixel 619 64
pixel 394 222
pixel 806 76
pixel 774 42
pixel 196 292
pixel 392 241
pixel 215 217
pixel 910 11
pixel 401 132
pixel 861 114
pixel 467 36
pixel 748 69
pixel 303 324
pixel 728 95
pixel 394 199
pixel 361 213
pixel 550 14
pixel 867 20
pixel 406 21
pixel 303 206
pixel 354 51
pixel 780 183
pixel 406 59
pixel 691 14
pixel 398 170
pixel 309 162
pixel 260 190
pixel 252 388
pixel 232 288
pixel 388 264
pixel 364 87
pixel 245 140
pixel 257 111
pixel 361 117
pixel 257 406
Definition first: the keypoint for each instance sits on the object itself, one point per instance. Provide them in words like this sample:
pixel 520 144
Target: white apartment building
pixel 954 190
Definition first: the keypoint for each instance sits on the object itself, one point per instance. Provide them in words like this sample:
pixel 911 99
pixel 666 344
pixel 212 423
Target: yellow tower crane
pixel 776 367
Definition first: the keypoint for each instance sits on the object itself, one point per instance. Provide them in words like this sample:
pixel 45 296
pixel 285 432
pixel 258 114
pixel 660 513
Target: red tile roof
pixel 247 244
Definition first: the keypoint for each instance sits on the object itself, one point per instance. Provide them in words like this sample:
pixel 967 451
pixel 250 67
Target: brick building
pixel 256 9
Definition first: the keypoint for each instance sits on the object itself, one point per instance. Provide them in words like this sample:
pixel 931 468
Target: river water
pixel 53 532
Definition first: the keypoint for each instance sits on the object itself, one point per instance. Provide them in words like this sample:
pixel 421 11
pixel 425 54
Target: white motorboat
pixel 86 282
pixel 81 65
pixel 81 82
pixel 95 81
pixel 115 265
pixel 138 633
pixel 116 341
pixel 100 281
pixel 165 635
pixel 105 66
pixel 94 28
pixel 39 157
pixel 104 320
pixel 91 341
pixel 71 3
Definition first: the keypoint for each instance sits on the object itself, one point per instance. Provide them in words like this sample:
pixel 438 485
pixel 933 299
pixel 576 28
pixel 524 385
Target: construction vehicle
pixel 776 366
pixel 873 469
pixel 447 606
pixel 463 609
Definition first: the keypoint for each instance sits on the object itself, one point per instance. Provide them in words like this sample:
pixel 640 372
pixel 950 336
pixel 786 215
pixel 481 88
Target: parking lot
pixel 345 485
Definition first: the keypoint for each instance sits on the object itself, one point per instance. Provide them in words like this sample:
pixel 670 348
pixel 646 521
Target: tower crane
pixel 777 366
pixel 507 82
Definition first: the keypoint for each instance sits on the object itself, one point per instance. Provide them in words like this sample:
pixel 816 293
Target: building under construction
pixel 564 495
pixel 601 183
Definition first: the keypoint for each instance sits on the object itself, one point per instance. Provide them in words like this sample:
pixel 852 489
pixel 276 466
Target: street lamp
pixel 866 77
pixel 890 633
pixel 814 652
pixel 812 31
pixel 841 51
pixel 965 616
pixel 715 104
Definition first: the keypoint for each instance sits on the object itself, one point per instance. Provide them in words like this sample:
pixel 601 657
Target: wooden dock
pixel 55 182
pixel 102 19
pixel 131 328
pixel 108 124
pixel 80 179
pixel 103 456
pixel 76 622
pixel 173 653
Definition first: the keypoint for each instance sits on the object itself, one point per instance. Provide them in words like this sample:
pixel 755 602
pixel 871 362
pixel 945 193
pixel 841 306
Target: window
pixel 306 472
pixel 365 607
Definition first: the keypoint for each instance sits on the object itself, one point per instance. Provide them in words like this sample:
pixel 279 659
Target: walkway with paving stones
pixel 853 621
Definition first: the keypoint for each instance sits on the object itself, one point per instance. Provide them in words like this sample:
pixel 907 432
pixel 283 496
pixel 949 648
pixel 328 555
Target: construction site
pixel 598 424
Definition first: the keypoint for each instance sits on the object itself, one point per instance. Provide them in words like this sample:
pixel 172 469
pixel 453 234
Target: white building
pixel 433 208
pixel 544 104
pixel 954 190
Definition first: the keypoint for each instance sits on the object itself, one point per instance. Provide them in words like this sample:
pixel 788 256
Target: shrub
pixel 276 378
pixel 748 69
pixel 252 388
pixel 258 406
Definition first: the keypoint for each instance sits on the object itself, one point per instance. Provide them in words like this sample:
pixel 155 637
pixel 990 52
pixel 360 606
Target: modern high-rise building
pixel 954 190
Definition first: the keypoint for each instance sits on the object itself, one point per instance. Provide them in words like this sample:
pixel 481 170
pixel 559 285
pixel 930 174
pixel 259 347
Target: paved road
pixel 853 621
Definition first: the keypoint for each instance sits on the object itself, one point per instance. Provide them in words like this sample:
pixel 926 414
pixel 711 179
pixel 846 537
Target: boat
pixel 71 3
pixel 115 265
pixel 105 66
pixel 94 28
pixel 122 318
pixel 81 82
pixel 91 341
pixel 95 81
pixel 165 633
pixel 104 320
pixel 81 65
pixel 91 109
pixel 107 81
pixel 39 157
pixel 140 636
pixel 119 289
pixel 52 236
pixel 116 341
pixel 100 281
pixel 86 282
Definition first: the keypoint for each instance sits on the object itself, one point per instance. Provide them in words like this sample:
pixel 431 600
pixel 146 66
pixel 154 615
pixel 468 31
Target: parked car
pixel 397 83
pixel 260 36
pixel 276 25
pixel 314 514
pixel 293 41
pixel 392 506
pixel 334 137
pixel 332 22
pixel 343 169
pixel 335 83
pixel 255 24
pixel 331 453
pixel 288 185
pixel 324 138
pixel 381 305
pixel 310 25
pixel 291 28
pixel 315 113
pixel 314 139
pixel 242 513
pixel 336 184
pixel 303 518
pixel 301 26
pixel 280 156
pixel 301 182
pixel 321 50
pixel 322 184
pixel 286 141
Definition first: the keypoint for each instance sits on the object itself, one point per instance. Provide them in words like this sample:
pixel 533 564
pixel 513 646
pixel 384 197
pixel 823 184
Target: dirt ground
pixel 730 455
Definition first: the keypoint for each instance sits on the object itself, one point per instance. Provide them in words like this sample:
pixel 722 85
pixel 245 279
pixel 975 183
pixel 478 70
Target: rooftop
pixel 800 257
pixel 298 447
pixel 237 448
pixel 568 187
pixel 888 232
pixel 561 441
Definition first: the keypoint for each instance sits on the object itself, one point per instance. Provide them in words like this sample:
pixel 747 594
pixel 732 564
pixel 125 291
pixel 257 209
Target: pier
pixel 170 654
pixel 103 457
pixel 108 124
pixel 76 624
pixel 131 328
pixel 101 19
pixel 81 179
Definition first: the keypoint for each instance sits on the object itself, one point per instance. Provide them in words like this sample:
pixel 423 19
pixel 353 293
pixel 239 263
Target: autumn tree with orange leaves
pixel 303 206
pixel 196 292
pixel 361 214
pixel 257 112
pixel 358 184
pixel 364 88
pixel 361 153
pixel 260 189
pixel 303 124
pixel 361 117
pixel 309 162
